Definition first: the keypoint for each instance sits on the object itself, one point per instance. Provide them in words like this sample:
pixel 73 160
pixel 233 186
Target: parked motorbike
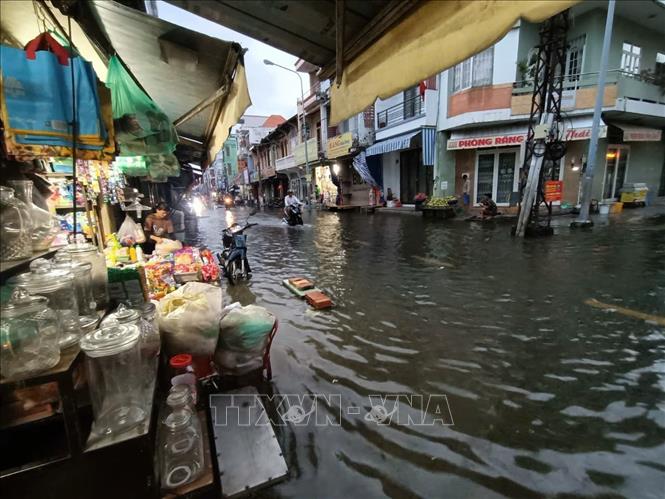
pixel 233 258
pixel 293 215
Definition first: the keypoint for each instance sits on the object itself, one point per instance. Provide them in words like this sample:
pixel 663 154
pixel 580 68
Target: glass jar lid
pixel 123 314
pixel 22 302
pixel 148 310
pixel 43 278
pixel 81 247
pixel 110 340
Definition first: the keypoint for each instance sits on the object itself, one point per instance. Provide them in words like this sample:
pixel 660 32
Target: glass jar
pixel 150 345
pixel 114 377
pixel 45 226
pixel 86 252
pixel 123 315
pixel 57 286
pixel 16 224
pixel 82 272
pixel 183 373
pixel 29 332
pixel 182 455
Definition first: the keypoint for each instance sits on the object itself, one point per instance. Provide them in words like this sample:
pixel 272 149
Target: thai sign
pixel 339 145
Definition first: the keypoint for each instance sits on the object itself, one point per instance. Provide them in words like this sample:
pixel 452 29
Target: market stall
pixel 104 346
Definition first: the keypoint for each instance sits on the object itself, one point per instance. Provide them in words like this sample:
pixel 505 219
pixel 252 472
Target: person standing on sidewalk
pixel 466 191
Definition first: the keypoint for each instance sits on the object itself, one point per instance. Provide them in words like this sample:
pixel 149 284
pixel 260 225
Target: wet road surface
pixel 548 395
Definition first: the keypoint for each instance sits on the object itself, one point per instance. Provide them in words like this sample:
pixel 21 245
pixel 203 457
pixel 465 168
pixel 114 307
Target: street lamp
pixel 304 113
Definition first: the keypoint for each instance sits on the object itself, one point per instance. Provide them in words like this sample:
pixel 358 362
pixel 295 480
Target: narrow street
pixel 548 394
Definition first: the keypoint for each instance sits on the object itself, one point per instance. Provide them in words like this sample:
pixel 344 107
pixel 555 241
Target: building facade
pixel 485 103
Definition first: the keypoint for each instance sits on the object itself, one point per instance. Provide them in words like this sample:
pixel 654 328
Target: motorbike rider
pixel 290 200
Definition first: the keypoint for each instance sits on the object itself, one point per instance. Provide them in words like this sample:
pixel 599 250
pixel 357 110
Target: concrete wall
pixel 645 164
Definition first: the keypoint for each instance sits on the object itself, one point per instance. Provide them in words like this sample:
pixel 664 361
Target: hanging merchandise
pixel 15 227
pixel 37 98
pixel 45 226
pixel 161 166
pixel 132 166
pixel 141 127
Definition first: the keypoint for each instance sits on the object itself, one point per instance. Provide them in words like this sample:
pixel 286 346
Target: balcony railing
pixel 406 110
pixel 285 162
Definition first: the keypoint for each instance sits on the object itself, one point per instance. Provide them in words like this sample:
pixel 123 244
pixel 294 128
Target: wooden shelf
pixel 58 175
pixel 70 208
pixel 67 358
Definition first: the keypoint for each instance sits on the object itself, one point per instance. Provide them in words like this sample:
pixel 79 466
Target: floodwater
pixel 548 395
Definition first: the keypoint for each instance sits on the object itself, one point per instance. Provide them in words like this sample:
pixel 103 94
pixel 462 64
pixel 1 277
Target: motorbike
pixel 293 215
pixel 233 258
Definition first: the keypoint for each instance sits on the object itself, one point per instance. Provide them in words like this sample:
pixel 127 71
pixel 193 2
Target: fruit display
pixel 443 202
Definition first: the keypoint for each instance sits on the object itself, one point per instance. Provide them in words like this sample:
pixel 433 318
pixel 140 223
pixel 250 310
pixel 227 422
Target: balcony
pixel 623 91
pixel 404 111
pixel 285 163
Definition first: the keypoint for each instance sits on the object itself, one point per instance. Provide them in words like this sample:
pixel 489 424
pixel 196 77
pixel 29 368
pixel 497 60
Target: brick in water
pixel 318 300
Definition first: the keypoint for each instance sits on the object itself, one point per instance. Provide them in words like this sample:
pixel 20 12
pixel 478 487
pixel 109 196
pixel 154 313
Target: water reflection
pixel 548 395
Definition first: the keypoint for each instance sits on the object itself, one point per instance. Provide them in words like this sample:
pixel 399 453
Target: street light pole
pixel 304 112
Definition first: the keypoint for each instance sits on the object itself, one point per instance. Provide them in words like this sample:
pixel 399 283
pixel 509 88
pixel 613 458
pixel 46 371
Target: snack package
pixel 159 278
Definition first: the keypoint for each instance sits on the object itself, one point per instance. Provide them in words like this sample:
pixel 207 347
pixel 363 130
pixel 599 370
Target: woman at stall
pixel 158 226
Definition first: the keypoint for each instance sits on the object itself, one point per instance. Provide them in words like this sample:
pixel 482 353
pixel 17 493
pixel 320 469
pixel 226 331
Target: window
pixel 575 58
pixel 660 65
pixel 410 102
pixel 475 71
pixel 630 58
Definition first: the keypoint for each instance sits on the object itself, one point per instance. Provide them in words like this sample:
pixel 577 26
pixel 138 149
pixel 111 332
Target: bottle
pixel 139 254
pixel 183 373
pixel 45 226
pixel 132 254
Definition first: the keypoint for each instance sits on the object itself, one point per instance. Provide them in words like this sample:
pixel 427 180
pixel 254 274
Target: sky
pixel 273 90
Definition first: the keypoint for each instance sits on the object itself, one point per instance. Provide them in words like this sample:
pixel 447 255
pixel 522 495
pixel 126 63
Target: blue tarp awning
pixel 393 144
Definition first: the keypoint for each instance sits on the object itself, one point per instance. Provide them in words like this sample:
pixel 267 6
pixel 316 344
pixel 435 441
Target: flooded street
pixel 548 394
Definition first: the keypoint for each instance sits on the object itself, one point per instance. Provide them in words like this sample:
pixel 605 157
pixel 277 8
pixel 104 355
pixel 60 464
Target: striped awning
pixel 393 144
pixel 429 146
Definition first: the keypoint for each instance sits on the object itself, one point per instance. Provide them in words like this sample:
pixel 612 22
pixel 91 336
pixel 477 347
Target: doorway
pixel 616 165
pixel 495 175
pixel 414 176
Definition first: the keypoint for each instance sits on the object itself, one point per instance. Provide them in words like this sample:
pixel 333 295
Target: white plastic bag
pixel 189 318
pixel 130 232
pixel 166 246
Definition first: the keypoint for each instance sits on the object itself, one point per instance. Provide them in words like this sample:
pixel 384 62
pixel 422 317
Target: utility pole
pixel 587 178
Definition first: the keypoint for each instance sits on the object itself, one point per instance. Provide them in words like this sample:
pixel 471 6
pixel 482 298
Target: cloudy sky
pixel 273 90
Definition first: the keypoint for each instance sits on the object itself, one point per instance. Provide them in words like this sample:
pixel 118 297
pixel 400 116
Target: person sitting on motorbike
pixel 290 200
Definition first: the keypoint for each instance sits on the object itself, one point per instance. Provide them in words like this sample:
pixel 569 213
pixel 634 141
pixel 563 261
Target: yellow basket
pixel 616 207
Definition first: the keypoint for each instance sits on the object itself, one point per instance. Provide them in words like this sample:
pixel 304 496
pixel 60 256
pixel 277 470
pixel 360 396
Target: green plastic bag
pixel 140 125
pixel 132 166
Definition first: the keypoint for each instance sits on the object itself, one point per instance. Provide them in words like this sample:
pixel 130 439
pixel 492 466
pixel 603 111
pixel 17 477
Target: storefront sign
pixel 312 152
pixel 553 190
pixel 641 135
pixel 339 145
pixel 496 141
pixel 583 133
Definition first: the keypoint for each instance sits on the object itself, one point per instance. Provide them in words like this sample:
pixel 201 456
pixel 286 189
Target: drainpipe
pixel 587 179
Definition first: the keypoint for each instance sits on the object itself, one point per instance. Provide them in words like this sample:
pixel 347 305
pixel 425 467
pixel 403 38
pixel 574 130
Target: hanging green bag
pixel 141 127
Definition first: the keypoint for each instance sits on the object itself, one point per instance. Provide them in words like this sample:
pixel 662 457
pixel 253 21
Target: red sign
pixel 496 141
pixel 583 133
pixel 553 190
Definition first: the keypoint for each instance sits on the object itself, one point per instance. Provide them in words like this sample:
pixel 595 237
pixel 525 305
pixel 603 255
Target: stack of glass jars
pixel 44 225
pixel 15 227
pixel 114 376
pixel 57 286
pixel 29 333
pixel 182 458
pixel 86 252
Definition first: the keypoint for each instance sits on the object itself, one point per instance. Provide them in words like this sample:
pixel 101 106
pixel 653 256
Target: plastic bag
pixel 166 246
pixel 245 329
pixel 189 317
pixel 130 233
pixel 141 126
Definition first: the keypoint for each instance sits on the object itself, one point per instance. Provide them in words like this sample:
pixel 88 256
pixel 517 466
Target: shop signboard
pixel 553 190
pixel 641 134
pixel 339 145
pixel 312 152
pixel 583 133
pixel 493 141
